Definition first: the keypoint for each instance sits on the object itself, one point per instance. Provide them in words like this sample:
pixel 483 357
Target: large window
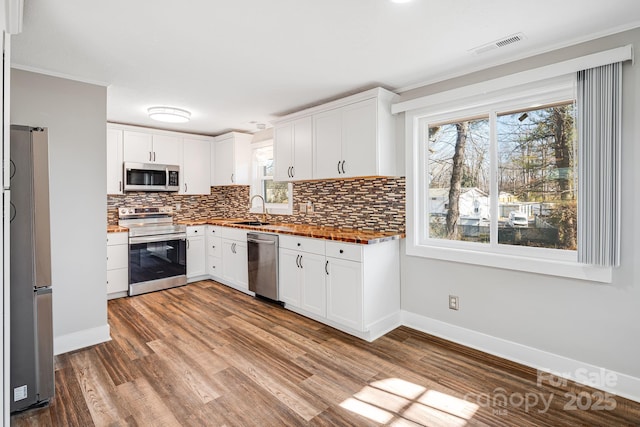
pixel 277 195
pixel 495 181
pixel 533 200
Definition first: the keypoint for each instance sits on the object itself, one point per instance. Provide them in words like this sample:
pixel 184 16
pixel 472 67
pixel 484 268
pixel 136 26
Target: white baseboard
pixel 584 373
pixel 384 326
pixel 81 339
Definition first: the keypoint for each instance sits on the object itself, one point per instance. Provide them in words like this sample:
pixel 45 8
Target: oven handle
pixel 157 238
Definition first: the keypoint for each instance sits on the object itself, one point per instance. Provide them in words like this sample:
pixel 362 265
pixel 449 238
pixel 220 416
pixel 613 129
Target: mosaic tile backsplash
pixel 376 204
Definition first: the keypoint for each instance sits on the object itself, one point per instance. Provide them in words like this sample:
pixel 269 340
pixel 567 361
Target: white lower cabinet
pixel 235 266
pixel 117 264
pixel 214 252
pixel 344 292
pixel 352 287
pixel 301 274
pixel 196 252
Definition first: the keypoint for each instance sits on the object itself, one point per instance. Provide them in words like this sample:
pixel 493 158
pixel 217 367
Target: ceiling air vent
pixel 505 41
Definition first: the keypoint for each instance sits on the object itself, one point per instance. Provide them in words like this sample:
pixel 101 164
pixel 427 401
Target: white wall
pixel 544 321
pixel 75 114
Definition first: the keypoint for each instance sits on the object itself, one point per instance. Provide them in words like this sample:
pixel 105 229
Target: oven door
pixel 157 262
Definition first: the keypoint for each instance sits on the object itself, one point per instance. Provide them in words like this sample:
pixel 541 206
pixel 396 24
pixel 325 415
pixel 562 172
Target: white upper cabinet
pixel 135 144
pixel 293 146
pixel 147 147
pixel 231 159
pixel 327 144
pixel 114 161
pixel 350 137
pixel 355 140
pixel 197 166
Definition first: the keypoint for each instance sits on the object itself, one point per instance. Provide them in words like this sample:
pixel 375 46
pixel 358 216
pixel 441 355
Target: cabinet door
pixel 359 139
pixel 289 277
pixel 242 266
pixel 196 171
pixel 114 161
pixel 313 296
pixel 283 152
pixel 224 158
pixel 327 148
pixel 303 149
pixel 344 292
pixel 167 150
pixel 137 147
pixel 235 266
pixel 196 256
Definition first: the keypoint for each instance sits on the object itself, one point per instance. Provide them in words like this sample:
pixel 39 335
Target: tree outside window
pixel 534 200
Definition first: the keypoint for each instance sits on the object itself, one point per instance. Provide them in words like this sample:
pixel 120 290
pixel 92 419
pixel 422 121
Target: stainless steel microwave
pixel 151 177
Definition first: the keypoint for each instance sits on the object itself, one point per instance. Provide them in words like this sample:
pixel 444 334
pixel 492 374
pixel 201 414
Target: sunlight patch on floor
pixel 393 400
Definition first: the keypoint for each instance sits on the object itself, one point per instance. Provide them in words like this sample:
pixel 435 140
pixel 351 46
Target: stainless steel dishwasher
pixel 262 250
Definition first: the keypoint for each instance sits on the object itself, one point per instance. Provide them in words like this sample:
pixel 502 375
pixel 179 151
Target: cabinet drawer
pixel 214 265
pixel 304 244
pixel 117 280
pixel 213 230
pixel 238 234
pixel 214 246
pixel 117 257
pixel 196 230
pixel 349 251
pixel 117 239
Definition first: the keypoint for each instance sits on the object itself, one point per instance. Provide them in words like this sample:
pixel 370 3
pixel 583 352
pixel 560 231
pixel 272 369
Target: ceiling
pixel 233 63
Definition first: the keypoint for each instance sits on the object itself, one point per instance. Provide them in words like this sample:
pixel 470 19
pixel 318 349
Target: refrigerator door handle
pixel 44 344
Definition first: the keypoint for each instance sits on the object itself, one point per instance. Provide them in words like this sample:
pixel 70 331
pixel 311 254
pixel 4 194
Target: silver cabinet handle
pixel 154 156
pixel 301 266
pixel 343 162
pixel 298 261
pixel 233 178
pixel 339 167
pixel 326 267
pixel 149 155
pixel 293 171
pixel 185 187
pixel 188 245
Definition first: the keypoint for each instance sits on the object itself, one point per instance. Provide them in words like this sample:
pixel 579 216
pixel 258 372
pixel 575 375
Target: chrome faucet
pixel 264 207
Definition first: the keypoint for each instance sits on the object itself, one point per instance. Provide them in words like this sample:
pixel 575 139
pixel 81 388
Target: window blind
pixel 599 102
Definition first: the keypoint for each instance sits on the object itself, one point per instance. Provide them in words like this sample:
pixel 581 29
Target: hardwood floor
pixel 206 355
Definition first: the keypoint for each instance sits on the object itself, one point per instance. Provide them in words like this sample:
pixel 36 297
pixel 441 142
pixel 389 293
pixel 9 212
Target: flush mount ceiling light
pixel 169 114
pixel 401 1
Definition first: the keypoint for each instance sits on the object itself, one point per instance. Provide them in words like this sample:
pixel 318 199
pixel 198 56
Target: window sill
pixel 549 267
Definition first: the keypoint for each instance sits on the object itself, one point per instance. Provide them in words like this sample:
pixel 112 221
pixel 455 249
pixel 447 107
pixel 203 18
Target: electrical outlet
pixel 302 207
pixel 454 302
pixel 309 207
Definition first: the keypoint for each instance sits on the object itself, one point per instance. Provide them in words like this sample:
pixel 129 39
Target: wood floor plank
pixel 97 389
pixel 146 406
pixel 207 355
pixel 193 378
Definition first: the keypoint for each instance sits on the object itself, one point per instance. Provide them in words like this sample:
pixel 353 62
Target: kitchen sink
pixel 251 223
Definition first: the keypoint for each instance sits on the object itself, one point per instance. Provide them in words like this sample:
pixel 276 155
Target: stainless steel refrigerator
pixel 32 377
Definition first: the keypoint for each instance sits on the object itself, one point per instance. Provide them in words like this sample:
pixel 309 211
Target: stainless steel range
pixel 157 249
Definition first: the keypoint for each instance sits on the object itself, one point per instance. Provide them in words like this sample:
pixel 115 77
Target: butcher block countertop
pixel 347 235
pixel 116 229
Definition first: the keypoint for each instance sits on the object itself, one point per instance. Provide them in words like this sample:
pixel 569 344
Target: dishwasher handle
pixel 266 242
